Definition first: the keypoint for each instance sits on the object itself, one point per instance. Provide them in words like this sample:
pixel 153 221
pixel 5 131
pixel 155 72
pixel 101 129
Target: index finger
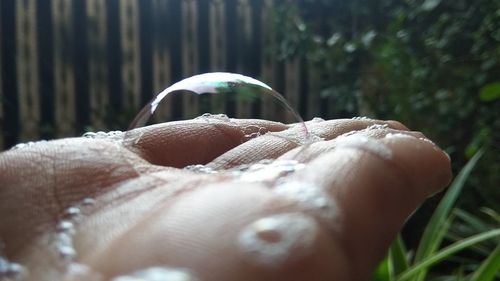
pixel 197 141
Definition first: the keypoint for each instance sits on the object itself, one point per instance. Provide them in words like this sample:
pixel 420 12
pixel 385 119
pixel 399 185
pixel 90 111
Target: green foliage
pixel 490 92
pixel 432 64
pixel 397 266
pixel 440 220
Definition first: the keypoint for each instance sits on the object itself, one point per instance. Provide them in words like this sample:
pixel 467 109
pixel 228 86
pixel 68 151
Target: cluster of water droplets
pixel 64 241
pixel 266 171
pixel 11 270
pixel 112 135
pixel 27 144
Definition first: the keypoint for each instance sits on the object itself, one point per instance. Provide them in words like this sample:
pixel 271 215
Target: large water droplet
pixel 311 198
pixel 234 87
pixel 158 274
pixel 275 240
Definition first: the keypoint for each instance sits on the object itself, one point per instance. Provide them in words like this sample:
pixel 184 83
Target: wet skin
pixel 150 212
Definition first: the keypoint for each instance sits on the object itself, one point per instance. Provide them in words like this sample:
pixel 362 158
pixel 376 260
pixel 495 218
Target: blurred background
pixel 71 66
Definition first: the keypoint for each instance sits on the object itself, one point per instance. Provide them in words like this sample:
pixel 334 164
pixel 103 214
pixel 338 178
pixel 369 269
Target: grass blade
pixel 398 256
pixel 489 268
pixel 434 232
pixel 446 252
pixel 471 220
pixel 383 271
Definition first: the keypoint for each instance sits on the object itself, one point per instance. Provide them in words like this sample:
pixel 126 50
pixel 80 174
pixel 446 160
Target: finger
pixel 197 141
pixel 309 152
pixel 273 145
pixel 377 184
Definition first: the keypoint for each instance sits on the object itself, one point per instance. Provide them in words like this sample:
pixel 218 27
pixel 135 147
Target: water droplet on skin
pixel 81 272
pixel 111 135
pixel 64 239
pixel 318 119
pixel 202 169
pixel 10 270
pixel 377 127
pixel 311 198
pixel 64 246
pixel 368 144
pixel 399 135
pixel 208 116
pixel 88 202
pixel 67 253
pixel 65 226
pixel 158 274
pixel 27 144
pixel 362 118
pixel 252 131
pixel 72 212
pixel 266 171
pixel 275 240
pixel 428 140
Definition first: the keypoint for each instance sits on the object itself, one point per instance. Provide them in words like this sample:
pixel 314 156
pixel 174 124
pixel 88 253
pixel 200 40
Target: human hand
pixel 96 209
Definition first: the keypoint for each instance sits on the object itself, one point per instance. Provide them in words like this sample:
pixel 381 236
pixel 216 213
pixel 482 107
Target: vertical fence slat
pixel 243 106
pixel 27 64
pixel 146 50
pixel 217 21
pixel 98 72
pixel 2 98
pixel 268 106
pixel 80 60
pixel 10 100
pixel 190 54
pixel 161 56
pixel 45 69
pixel 129 29
pixel 63 68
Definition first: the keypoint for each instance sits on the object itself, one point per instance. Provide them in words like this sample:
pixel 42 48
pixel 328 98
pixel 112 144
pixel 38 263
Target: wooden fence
pixel 67 65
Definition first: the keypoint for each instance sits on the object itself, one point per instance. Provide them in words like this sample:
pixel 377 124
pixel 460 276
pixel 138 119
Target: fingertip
pixel 428 167
pixel 397 125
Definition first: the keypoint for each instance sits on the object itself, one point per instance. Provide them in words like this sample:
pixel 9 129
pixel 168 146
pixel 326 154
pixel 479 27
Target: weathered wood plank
pixel 218 44
pixel 129 29
pixel 27 65
pixel 190 102
pixel 64 80
pixel 269 108
pixel 161 57
pixel 2 98
pixel 244 106
pixel 98 70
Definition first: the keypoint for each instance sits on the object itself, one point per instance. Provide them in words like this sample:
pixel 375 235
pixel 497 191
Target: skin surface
pixel 149 211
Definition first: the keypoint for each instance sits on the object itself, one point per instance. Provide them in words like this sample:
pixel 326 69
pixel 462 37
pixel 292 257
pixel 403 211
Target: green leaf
pixel 471 220
pixel 398 256
pixel 430 5
pixel 383 271
pixel 446 252
pixel 437 226
pixel 490 92
pixel 489 268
